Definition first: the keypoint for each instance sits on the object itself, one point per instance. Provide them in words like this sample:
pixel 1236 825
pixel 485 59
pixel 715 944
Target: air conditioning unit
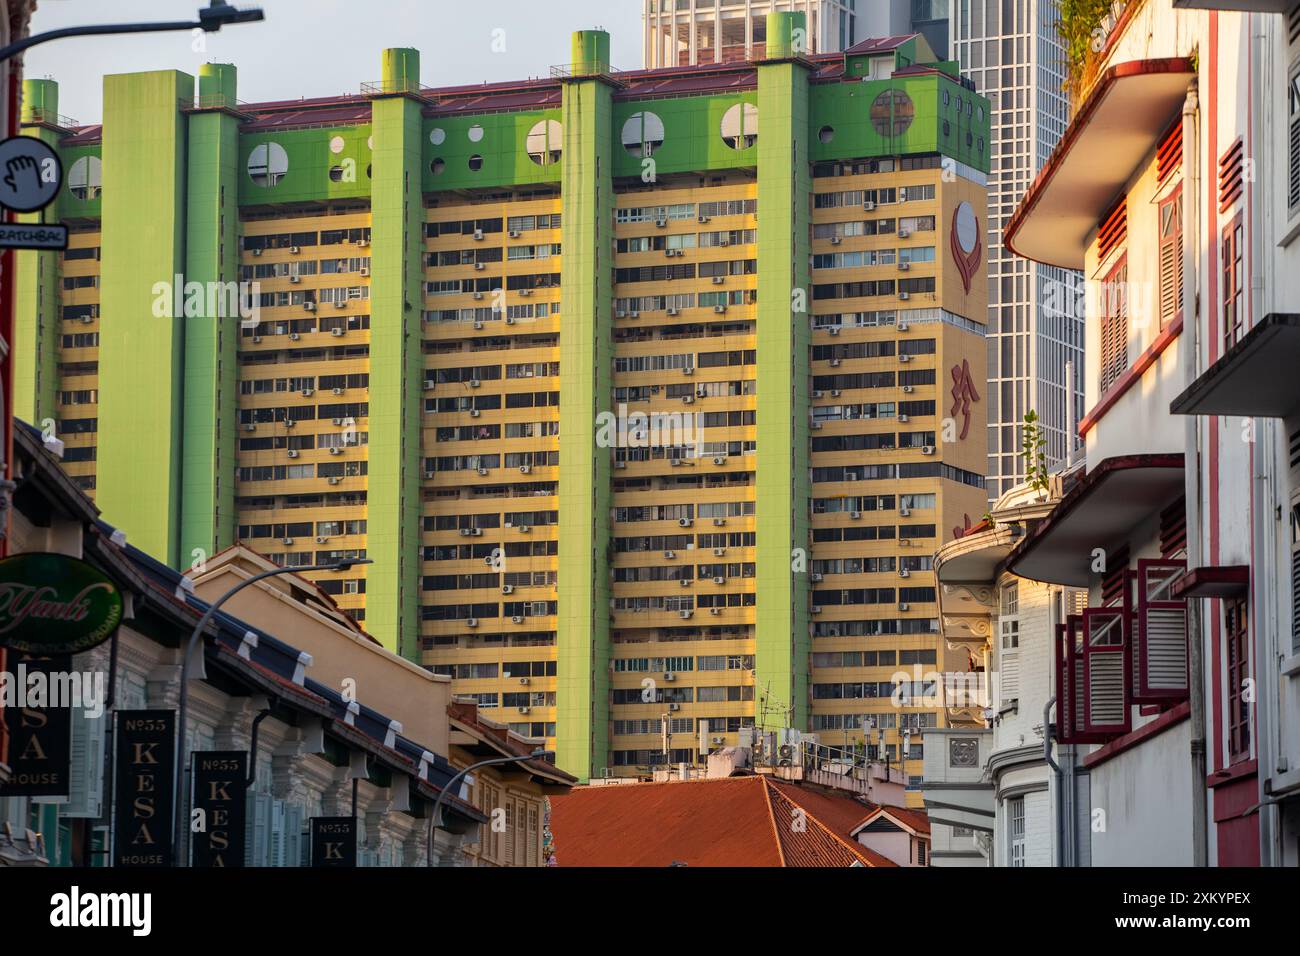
pixel 715 611
pixel 525 469
pixel 688 399
pixel 478 295
pixel 478 235
pixel 525 292
pixel 815 609
pixel 684 614
pixel 295 278
pixel 816 393
pixel 294 250
pixel 471 622
pixel 661 223
pixel 514 233
pixel 908 389
pixel 309 306
pixel 321 539
pixel 836 393
pixel 289 423
pixel 816 426
pixel 720 309
pixel 524 710
pixel 685 522
pixel 719 580
pixel 334 481
pixel 904 358
pixel 479 266
pixel 524 682
pixel 718 280
pixel 87 320
pixel 338 421
pixel 478 326
pixel 474 383
pixel 286 541
pixel 815 576
pixel 671 311
pixel 688 370
pixel 336 450
pixel 719 522
pixel 482 472
pixel 293 453
pixel 834 330
pixel 509 321
pixel 855 515
pixel 516 619
pixel 465 532
pixel 669 253
pixel 904 267
pixel 257 252
pixel 634 314
pixel 620 464
pixel 670 555
pixel 669 675
pixel 718 740
pixel 904 296
pixel 904 573
pixel 250 427
pixel 363 243
pixel 724 242
pixel 524 529
pixel 927 449
pixel 904 606
pixel 257 340
pixel 869 205
pixel 905 512
pixel 904 233
pixel 703 219
pixel 338 334
pixel 719 552
pixel 676 707
pixel 619 314
pixel 903 326
pixel 903 419
pixel 294 336
pixel 836 240
pixel 835 363
pixel 364 271
pixel 475 413
pixel 684 582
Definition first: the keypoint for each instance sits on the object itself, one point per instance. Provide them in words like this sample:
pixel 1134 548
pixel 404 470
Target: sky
pixel 309 48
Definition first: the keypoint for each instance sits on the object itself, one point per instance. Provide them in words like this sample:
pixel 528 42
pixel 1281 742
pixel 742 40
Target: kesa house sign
pixel 55 604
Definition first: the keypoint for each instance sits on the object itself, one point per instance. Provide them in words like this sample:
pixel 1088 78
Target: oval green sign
pixel 55 604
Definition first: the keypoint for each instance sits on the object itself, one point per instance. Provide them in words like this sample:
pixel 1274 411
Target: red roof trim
pixel 1076 129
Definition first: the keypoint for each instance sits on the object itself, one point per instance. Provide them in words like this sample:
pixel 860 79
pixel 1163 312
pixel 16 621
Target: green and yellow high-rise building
pixel 767 276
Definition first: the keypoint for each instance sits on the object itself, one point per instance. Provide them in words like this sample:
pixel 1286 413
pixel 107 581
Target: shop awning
pixel 1100 512
pixel 1256 378
pixel 1129 109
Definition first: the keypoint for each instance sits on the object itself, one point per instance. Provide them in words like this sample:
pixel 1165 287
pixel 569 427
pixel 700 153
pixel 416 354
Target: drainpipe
pixel 1191 353
pixel 1063 812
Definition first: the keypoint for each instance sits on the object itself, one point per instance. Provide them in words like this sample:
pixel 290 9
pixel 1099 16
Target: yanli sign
pixel 55 604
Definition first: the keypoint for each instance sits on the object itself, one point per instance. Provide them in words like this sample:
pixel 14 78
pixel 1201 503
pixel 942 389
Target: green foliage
pixel 1032 445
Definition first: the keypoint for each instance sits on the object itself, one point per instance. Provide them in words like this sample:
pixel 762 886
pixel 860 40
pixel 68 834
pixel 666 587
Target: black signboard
pixel 146 768
pixel 40 735
pixel 220 790
pixel 334 841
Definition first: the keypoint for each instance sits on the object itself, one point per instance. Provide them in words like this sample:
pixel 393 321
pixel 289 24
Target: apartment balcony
pixel 954 787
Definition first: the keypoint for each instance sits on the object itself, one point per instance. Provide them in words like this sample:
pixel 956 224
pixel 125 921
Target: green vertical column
pixel 37 298
pixel 141 356
pixel 211 341
pixel 393 485
pixel 586 369
pixel 782 640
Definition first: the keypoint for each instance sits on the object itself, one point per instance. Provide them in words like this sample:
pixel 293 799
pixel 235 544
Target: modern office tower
pixel 1013 53
pixel 692 32
pixel 649 398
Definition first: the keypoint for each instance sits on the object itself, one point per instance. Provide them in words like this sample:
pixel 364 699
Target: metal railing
pixel 49 118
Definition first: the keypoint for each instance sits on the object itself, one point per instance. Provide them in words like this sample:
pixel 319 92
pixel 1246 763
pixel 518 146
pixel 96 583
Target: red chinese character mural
pixel 963 395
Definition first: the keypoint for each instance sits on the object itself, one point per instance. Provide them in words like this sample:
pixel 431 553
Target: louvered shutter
pixel 1069 683
pixel 293 840
pixel 277 833
pixel 1106 672
pixel 257 846
pixel 86 779
pixel 1162 634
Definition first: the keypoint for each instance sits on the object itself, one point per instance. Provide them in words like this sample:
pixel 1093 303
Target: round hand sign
pixel 30 174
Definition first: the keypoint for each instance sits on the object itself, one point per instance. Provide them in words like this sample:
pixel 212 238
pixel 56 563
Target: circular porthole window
pixel 368 171
pixel 336 174
pixel 643 134
pixel 892 113
pixel 437 167
pixel 370 142
pixel 336 144
pixel 970 140
pixel 979 113
pixel 85 178
pixel 475 162
pixel 268 163
pixel 981 144
pixel 947 129
pixel 961 104
pixel 826 134
pixel 544 142
pixel 740 126
pixel 475 133
pixel 947 98
pixel 437 136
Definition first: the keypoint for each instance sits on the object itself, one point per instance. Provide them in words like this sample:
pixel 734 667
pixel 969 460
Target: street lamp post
pixel 179 843
pixel 437 804
pixel 217 14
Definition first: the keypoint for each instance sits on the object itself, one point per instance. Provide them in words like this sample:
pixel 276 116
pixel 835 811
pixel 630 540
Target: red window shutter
pixel 1169 155
pixel 1162 634
pixel 1069 683
pixel 1173 530
pixel 1106 672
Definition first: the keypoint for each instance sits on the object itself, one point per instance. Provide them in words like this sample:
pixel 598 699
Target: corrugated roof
pixel 733 821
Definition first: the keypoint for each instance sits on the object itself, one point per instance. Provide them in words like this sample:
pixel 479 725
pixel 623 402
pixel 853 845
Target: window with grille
pixel 1293 145
pixel 1236 634
pixel 1171 258
pixel 1114 327
pixel 1016 831
pixel 1234 318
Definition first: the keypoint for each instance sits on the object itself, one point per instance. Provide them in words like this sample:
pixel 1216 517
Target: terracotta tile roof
pixel 733 821
pixel 915 820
